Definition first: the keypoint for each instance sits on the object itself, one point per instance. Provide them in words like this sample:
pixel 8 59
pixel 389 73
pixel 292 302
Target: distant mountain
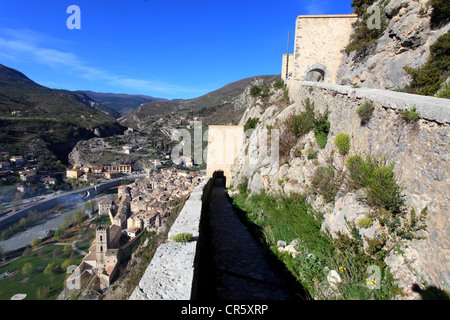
pixel 41 122
pixel 120 103
pixel 221 106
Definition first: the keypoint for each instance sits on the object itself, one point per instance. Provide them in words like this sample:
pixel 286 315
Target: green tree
pixel 67 248
pixel 48 271
pixel 27 268
pixel 79 217
pixel 35 242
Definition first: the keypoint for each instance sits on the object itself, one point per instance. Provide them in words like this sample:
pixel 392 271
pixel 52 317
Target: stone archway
pixel 316 75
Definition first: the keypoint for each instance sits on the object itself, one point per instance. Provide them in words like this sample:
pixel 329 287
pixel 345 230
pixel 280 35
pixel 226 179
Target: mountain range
pixel 43 123
pixel 221 106
pixel 119 104
pixel 36 121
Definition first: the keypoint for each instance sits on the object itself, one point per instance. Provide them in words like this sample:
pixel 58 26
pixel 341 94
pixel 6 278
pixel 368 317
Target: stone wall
pixel 420 152
pixel 287 66
pixel 172 273
pixel 319 41
pixel 223 146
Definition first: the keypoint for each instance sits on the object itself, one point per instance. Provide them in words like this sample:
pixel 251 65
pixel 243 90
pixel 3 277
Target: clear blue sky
pixel 165 48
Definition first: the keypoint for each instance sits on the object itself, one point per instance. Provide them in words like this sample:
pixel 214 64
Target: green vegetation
pixel 410 115
pixel 296 126
pixel 250 124
pixel 364 222
pixel 342 143
pixel 365 112
pixel 279 84
pixel 289 217
pixel 326 182
pixel 183 237
pixel 255 91
pixel 441 12
pixel 32 218
pixel 41 275
pixel 429 78
pixel 260 91
pixel 377 177
pixel 363 39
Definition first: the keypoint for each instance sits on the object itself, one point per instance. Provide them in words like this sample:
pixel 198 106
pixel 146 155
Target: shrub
pixel 365 112
pixel 306 121
pixel 242 187
pixel 183 237
pixel 265 91
pixel 321 130
pixel 428 78
pixel 342 143
pixel 362 38
pixel 410 115
pixel 255 91
pixel 279 84
pixel 364 223
pixel 302 123
pixel 441 12
pixel 444 93
pixel 311 154
pixel 360 6
pixel 325 182
pixel 251 123
pixel 378 178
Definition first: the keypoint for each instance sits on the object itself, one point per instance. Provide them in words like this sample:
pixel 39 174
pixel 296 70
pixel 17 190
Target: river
pixel 39 230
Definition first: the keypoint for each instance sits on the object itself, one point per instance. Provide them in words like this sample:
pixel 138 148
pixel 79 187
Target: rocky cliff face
pixel 420 154
pixel 405 42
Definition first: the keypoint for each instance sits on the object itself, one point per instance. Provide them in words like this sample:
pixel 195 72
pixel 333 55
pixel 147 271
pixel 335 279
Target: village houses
pixel 140 206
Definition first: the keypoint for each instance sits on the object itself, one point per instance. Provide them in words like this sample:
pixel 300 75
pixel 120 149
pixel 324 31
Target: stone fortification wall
pixel 420 152
pixel 171 275
pixel 319 40
pixel 223 146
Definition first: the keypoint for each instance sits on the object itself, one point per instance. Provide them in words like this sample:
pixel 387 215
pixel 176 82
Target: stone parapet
pixel 171 275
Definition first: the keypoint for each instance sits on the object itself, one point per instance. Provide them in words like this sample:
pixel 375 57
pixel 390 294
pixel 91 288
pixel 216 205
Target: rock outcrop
pixel 419 151
pixel 405 42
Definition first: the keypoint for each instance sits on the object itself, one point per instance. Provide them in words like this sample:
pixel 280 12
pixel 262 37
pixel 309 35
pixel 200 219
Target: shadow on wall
pixel 431 293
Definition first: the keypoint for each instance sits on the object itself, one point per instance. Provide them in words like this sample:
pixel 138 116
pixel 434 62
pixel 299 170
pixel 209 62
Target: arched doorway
pixel 316 75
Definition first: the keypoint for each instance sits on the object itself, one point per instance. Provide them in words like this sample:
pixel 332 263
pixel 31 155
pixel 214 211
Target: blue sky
pixel 166 48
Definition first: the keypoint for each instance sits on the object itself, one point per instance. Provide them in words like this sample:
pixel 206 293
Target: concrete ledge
pixel 430 108
pixel 171 273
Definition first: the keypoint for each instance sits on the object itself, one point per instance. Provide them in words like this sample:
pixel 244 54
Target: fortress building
pixel 319 41
pixel 318 51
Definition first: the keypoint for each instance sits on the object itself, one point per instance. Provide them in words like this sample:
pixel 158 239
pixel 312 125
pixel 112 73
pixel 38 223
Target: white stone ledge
pixel 430 108
pixel 170 274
